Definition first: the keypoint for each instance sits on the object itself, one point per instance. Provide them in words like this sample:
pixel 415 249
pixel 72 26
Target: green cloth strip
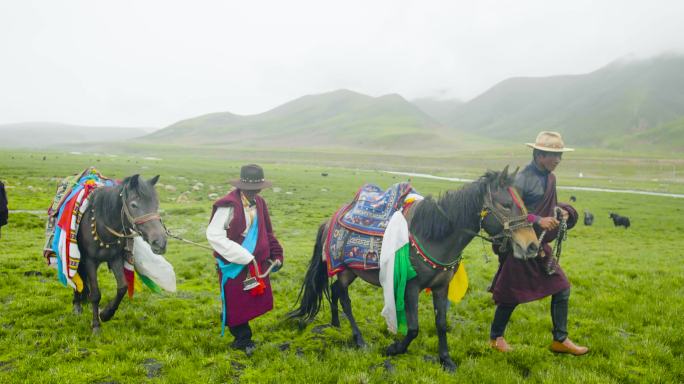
pixel 403 272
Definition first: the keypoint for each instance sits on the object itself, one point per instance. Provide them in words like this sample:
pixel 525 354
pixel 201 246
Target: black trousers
pixel 559 317
pixel 243 336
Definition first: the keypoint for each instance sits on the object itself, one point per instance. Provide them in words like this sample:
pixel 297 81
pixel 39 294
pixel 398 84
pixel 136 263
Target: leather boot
pixel 500 344
pixel 567 346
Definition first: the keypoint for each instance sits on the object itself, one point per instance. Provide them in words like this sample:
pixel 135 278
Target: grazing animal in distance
pixel 620 220
pixel 588 218
pixel 573 198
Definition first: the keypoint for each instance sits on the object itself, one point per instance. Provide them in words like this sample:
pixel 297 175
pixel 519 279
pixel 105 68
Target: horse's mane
pixel 433 220
pixel 108 199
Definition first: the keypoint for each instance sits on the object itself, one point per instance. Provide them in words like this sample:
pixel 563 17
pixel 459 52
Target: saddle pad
pixel 372 208
pixel 348 249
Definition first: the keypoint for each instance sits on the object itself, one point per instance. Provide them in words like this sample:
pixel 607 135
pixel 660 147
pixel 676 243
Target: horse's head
pixel 504 215
pixel 140 206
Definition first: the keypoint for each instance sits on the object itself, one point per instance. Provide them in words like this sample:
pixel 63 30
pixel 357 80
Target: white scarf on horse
pixel 396 236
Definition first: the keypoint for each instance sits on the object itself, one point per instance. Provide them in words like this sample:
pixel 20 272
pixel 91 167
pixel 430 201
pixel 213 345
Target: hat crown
pixel 251 174
pixel 550 142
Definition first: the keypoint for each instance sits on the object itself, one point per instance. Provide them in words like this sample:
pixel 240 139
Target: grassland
pixel 625 305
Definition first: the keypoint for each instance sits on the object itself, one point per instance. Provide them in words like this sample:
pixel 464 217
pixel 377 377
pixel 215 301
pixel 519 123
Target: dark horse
pixel 105 234
pixel 443 228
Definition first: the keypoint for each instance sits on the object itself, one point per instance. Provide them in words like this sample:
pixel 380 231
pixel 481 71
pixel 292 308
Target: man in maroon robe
pixel 232 220
pixel 3 207
pixel 521 281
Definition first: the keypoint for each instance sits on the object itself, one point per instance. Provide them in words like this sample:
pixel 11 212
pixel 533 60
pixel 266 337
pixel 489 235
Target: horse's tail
pixel 315 284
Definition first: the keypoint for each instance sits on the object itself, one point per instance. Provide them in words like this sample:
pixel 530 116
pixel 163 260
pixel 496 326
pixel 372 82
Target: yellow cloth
pixel 79 283
pixel 458 285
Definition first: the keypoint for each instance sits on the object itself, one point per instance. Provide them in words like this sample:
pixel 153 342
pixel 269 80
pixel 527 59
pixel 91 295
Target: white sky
pixel 151 63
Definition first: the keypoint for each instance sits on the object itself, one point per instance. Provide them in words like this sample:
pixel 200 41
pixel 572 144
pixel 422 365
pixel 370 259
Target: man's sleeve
pixel 276 248
pixel 227 248
pixel 4 212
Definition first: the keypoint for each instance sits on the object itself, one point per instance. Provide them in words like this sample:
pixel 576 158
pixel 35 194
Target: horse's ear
pixel 514 174
pixel 154 180
pixel 133 181
pixel 503 177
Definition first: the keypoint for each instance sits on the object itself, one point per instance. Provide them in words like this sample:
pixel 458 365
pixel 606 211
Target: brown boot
pixel 567 346
pixel 500 344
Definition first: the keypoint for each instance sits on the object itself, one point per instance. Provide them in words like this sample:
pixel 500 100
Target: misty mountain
pixel 627 101
pixel 43 134
pixel 438 109
pixel 339 119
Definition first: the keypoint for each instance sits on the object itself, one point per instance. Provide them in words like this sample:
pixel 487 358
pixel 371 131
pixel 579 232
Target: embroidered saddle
pixel 355 230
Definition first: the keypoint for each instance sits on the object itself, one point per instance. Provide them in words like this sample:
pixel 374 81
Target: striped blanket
pixel 61 249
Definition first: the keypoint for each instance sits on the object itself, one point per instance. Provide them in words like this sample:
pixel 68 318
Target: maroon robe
pixel 520 281
pixel 241 306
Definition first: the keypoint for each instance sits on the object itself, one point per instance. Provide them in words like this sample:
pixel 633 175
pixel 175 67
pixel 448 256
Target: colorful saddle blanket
pixel 64 216
pixel 371 209
pixel 355 231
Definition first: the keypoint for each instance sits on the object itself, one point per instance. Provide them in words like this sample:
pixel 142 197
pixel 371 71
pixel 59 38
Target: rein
pixel 509 224
pixel 126 218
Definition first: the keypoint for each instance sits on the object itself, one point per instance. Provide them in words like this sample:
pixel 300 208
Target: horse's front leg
pixel 117 267
pixel 439 300
pixel 334 298
pixel 94 295
pixel 411 308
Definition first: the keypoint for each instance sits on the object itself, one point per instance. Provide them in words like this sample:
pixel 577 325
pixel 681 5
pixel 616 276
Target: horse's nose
pixel 532 249
pixel 159 245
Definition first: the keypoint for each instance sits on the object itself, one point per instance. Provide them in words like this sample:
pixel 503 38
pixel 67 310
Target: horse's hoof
pixel 96 330
pixel 360 343
pixel 394 349
pixel 106 315
pixel 335 323
pixel 448 365
pixel 78 310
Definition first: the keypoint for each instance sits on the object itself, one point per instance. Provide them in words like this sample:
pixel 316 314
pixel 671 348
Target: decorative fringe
pixel 149 283
pixel 129 273
pixel 261 287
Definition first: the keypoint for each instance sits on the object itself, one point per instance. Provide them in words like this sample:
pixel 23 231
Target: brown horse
pixel 443 228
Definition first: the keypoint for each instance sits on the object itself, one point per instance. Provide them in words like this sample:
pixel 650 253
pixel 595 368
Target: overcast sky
pixel 151 63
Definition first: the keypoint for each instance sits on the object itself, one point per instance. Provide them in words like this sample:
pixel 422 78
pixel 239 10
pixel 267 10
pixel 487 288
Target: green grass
pixel 625 305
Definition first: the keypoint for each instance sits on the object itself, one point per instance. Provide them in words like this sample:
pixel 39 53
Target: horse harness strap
pixel 435 264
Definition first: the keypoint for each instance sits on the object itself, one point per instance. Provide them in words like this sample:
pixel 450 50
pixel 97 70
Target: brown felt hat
pixel 251 178
pixel 549 142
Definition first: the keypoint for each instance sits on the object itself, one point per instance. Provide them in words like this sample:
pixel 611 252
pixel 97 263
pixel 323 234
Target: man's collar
pixel 245 201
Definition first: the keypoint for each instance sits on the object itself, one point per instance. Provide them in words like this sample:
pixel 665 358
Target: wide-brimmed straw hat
pixel 548 141
pixel 251 178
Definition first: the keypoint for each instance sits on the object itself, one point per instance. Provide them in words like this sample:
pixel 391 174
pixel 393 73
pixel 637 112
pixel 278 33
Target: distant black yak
pixel 588 218
pixel 573 198
pixel 620 220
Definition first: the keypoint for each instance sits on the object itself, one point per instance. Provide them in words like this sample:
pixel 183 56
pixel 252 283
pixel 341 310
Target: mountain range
pixel 628 104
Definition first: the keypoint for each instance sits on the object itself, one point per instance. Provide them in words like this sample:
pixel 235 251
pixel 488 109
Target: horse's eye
pixel 134 204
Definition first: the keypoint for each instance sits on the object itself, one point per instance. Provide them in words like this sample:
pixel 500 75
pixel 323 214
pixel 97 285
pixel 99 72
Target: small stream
pixel 591 189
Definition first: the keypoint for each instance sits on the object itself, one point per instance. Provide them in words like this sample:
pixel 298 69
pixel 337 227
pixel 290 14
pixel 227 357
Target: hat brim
pixel 250 186
pixel 548 149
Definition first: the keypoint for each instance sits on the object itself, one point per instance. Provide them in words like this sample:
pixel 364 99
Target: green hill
pixel 339 119
pixel 625 98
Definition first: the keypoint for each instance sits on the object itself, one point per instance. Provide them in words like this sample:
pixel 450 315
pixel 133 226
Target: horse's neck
pixel 465 219
pixel 108 206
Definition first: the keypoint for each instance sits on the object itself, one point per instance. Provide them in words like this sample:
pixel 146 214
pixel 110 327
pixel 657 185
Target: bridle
pixel 132 221
pixel 509 223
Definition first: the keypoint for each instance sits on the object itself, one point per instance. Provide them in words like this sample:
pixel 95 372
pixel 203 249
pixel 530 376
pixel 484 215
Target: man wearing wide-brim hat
pixel 521 281
pixel 245 248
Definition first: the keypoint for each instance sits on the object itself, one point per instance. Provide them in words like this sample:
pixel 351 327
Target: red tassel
pixel 130 279
pixel 261 287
